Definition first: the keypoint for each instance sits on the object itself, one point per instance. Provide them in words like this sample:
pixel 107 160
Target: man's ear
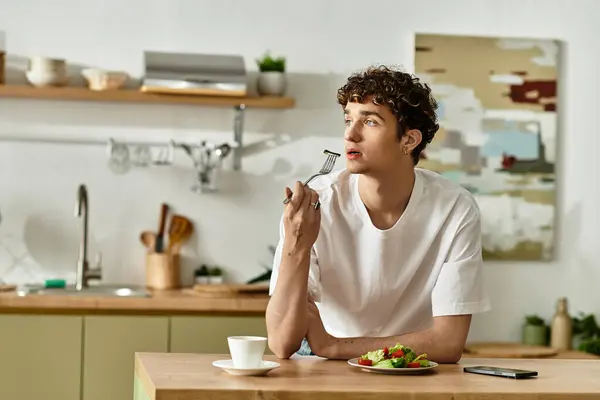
pixel 412 138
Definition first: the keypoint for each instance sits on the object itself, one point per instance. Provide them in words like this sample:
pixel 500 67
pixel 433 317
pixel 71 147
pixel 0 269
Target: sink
pixel 92 291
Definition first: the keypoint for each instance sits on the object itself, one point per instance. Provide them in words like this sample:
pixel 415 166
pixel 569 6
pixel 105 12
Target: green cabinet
pixel 91 357
pixel 208 334
pixel 40 357
pixel 108 352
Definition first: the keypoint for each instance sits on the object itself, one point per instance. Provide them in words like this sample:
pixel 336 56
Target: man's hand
pixel 287 314
pixel 302 220
pixel 321 343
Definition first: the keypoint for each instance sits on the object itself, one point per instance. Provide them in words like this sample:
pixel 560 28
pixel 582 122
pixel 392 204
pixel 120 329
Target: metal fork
pixel 325 169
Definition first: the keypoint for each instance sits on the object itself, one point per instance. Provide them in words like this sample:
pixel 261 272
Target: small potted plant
pixel 216 276
pixel 535 331
pixel 201 275
pixel 271 78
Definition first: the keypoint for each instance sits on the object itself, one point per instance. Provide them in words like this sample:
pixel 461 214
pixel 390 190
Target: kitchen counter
pixel 171 302
pixel 162 376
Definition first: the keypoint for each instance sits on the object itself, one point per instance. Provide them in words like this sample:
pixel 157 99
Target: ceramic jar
pixel 43 71
pixel 535 335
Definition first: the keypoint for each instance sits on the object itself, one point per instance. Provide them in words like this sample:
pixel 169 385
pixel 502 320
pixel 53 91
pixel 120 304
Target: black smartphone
pixel 503 372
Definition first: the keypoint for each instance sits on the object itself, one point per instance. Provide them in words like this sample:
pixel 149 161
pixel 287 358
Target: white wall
pixel 324 41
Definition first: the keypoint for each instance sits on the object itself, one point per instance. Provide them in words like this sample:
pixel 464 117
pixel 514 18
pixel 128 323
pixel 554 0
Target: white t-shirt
pixel 369 282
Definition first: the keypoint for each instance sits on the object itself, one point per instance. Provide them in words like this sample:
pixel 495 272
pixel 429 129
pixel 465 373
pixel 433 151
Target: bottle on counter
pixel 561 331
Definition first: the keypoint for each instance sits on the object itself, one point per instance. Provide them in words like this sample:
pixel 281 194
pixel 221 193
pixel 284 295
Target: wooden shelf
pixel 72 93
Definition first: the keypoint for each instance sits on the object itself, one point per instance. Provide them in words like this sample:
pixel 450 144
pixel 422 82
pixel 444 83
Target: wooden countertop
pixel 161 302
pixel 191 376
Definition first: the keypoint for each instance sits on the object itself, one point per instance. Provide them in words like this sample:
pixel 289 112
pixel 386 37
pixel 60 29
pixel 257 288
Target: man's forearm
pixel 286 315
pixel 443 343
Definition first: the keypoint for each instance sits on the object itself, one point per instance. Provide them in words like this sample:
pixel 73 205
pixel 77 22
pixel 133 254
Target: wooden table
pixel 171 376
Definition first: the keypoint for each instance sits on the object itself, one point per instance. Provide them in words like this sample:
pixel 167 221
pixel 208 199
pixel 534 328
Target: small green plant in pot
pixel 201 275
pixel 271 78
pixel 215 276
pixel 535 331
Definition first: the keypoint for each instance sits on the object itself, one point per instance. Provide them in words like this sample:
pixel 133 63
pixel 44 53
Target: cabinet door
pixel 208 334
pixel 109 346
pixel 40 357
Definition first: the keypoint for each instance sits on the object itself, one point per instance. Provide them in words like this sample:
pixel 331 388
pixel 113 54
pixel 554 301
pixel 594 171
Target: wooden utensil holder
pixel 162 271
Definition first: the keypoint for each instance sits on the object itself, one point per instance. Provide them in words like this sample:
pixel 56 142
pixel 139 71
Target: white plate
pixel 393 371
pixel 265 367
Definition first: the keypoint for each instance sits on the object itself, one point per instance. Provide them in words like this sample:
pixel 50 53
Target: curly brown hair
pixel 409 100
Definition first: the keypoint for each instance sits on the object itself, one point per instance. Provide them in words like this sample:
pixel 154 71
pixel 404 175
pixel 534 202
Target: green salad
pixel 394 357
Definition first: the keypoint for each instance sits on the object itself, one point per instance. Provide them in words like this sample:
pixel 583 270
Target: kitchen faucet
pixel 83 271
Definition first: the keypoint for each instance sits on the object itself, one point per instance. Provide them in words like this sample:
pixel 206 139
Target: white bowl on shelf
pixel 99 79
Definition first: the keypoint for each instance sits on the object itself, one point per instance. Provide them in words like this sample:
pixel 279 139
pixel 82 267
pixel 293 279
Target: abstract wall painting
pixel 498 133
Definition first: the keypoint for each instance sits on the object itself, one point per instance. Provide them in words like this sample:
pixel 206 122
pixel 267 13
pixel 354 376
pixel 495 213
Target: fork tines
pixel 325 169
pixel 329 163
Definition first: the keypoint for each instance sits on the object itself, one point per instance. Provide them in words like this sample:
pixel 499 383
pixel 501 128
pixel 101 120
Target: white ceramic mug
pixel 247 351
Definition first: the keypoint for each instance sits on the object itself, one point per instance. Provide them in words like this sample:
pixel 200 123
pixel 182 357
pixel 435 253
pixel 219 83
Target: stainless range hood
pixel 194 74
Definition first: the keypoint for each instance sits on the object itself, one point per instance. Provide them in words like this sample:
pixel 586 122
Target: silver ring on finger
pixel 316 204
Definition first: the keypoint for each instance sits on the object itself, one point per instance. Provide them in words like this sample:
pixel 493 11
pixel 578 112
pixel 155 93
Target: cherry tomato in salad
pixel 386 352
pixel 414 365
pixel 365 361
pixel 398 354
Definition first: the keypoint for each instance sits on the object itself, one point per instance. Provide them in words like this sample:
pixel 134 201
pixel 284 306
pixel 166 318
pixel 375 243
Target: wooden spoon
pixel 180 231
pixel 148 239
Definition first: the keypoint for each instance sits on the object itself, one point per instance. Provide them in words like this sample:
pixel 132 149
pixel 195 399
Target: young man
pixel 382 252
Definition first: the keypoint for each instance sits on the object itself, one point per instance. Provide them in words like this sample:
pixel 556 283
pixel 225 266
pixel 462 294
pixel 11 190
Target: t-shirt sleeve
pixel 313 275
pixel 459 287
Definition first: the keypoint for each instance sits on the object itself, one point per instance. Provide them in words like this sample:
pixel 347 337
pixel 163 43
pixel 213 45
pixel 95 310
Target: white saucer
pixel 227 365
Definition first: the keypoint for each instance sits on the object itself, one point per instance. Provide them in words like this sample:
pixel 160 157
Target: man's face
pixel 371 140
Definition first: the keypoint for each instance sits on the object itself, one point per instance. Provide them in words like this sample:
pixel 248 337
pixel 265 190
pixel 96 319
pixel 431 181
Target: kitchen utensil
pixel 148 239
pixel 325 169
pixel 119 157
pixel 208 160
pixel 160 237
pixel 180 231
pixel 165 154
pixel 142 155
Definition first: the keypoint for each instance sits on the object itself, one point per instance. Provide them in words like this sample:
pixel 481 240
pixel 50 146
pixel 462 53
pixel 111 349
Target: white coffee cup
pixel 247 351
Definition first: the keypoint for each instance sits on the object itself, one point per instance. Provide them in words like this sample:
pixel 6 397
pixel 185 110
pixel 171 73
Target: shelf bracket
pixel 238 131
